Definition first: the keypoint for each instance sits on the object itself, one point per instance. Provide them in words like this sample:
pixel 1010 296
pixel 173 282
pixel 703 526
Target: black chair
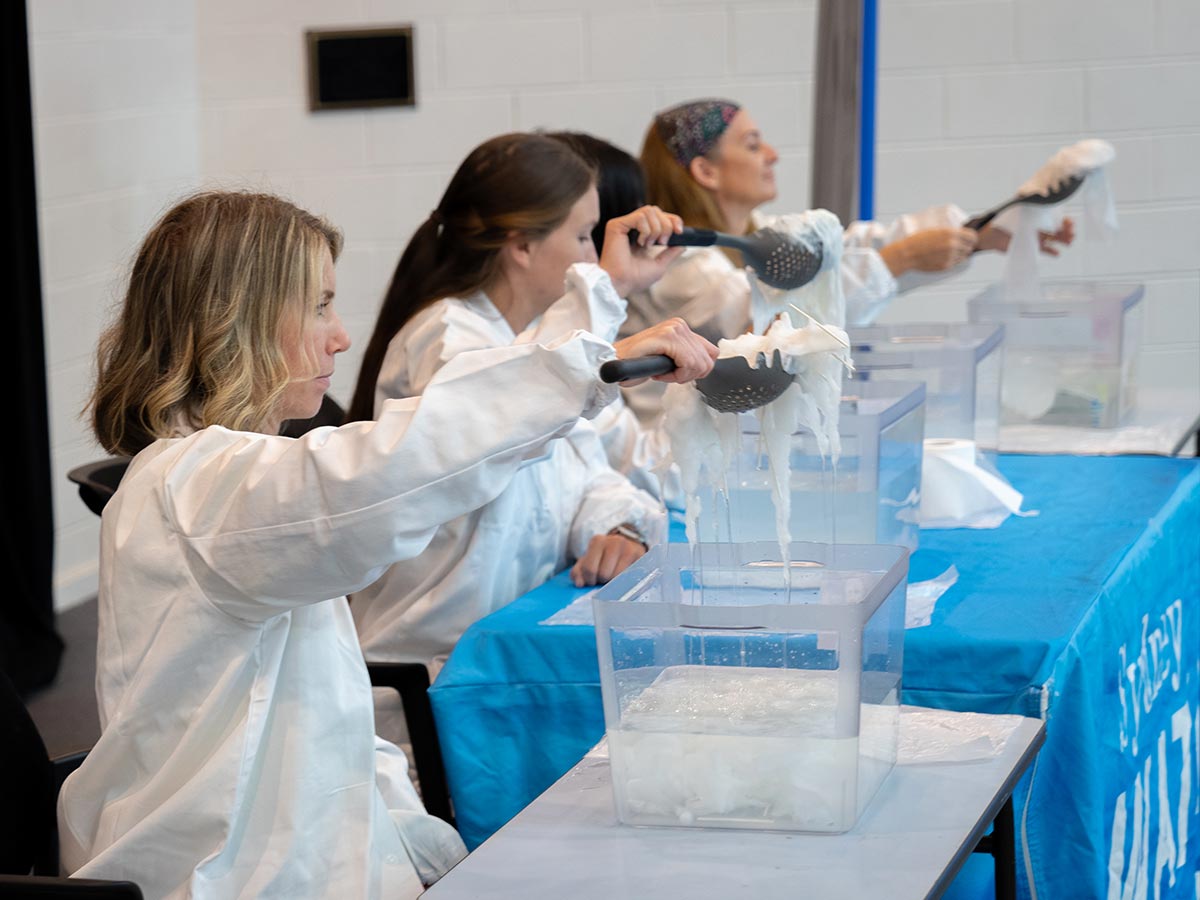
pixel 411 682
pixel 98 480
pixel 29 855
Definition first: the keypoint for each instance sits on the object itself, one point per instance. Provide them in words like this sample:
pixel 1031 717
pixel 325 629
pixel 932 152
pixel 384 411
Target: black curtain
pixel 29 646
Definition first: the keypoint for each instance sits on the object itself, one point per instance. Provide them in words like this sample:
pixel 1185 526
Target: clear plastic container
pixel 960 364
pixel 871 496
pixel 1070 354
pixel 733 700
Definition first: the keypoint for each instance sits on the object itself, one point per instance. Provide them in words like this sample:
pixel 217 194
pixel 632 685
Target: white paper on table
pixel 577 612
pixel 923 597
pixel 958 492
pixel 940 736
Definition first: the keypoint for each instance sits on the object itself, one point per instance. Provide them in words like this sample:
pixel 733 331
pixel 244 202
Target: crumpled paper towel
pixel 957 491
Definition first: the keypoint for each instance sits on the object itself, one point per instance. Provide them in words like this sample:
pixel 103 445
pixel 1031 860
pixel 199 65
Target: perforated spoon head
pixel 780 260
pixel 1056 194
pixel 735 386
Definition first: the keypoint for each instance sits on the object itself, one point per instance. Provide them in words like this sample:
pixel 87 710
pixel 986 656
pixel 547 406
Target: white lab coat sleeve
pixel 435 336
pixel 433 845
pixel 269 523
pixel 642 453
pixel 867 282
pixel 705 289
pixel 590 303
pixel 609 498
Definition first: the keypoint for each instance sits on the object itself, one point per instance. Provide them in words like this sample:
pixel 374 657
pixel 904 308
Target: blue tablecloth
pixel 1087 615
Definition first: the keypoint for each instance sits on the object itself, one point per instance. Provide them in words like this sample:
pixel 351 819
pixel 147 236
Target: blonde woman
pixel 238 756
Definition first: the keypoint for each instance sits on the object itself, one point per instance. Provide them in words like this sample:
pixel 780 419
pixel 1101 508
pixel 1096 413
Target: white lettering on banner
pixel 1163 849
pixel 1181 730
pixel 1164 853
pixel 1124 885
pixel 1159 657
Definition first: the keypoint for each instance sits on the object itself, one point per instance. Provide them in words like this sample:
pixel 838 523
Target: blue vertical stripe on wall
pixel 866 130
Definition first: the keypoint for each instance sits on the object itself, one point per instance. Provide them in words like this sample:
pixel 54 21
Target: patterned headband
pixel 691 129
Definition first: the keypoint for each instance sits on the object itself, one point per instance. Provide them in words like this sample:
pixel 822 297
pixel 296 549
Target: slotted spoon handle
pixel 979 222
pixel 616 370
pixel 693 237
pixel 689 237
pixel 1058 194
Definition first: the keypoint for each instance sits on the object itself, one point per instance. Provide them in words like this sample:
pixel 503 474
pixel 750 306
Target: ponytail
pixel 515 184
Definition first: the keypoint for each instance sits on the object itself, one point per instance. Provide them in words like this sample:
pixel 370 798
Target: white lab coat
pixel 867 282
pixel 238 756
pixel 543 515
pixel 705 289
pixel 711 294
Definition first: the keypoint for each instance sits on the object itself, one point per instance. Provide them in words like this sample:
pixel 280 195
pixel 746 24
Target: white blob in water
pixel 745 747
pixel 1030 385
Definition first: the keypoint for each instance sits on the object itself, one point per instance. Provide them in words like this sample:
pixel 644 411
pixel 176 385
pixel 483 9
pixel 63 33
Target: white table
pixel 1162 424
pixel 927 818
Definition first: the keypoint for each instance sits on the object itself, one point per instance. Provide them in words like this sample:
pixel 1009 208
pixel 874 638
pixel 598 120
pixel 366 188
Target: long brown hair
pixel 671 186
pixel 515 184
pixel 198 338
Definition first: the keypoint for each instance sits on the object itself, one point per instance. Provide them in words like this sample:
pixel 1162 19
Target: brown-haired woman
pixel 507 257
pixel 709 161
pixel 237 755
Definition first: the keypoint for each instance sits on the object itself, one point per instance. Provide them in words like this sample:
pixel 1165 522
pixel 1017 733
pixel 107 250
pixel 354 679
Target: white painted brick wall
pixel 1011 104
pixel 776 40
pixel 975 95
pixel 945 35
pixel 645 46
pixel 115 106
pixel 139 100
pixel 479 51
pixel 1060 30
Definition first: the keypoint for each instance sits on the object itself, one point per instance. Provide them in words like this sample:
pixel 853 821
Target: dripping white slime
pixel 703 441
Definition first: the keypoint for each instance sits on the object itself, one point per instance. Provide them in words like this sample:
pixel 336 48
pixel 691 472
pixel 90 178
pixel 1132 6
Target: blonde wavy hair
pixel 199 337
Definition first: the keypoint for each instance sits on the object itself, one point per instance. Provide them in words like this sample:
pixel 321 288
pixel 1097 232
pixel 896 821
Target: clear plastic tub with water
pixel 871 496
pixel 735 700
pixel 959 363
pixel 1070 353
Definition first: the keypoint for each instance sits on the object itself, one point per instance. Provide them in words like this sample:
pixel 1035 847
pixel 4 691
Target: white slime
pixel 703 441
pixel 1088 158
pixel 1077 159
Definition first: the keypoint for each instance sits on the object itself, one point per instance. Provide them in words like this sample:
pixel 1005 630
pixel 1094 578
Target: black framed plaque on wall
pixel 349 69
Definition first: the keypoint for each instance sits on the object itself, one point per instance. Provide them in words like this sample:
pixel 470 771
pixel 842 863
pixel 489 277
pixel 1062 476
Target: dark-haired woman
pixel 506 258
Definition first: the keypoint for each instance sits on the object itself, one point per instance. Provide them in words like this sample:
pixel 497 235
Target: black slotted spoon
pixel 733 385
pixel 780 260
pixel 1056 194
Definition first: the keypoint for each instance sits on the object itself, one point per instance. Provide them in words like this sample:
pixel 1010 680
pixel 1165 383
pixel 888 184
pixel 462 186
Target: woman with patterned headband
pixel 707 161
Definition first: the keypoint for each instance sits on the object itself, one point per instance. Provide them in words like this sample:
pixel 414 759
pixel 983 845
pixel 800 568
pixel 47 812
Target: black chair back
pixel 98 480
pixel 28 818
